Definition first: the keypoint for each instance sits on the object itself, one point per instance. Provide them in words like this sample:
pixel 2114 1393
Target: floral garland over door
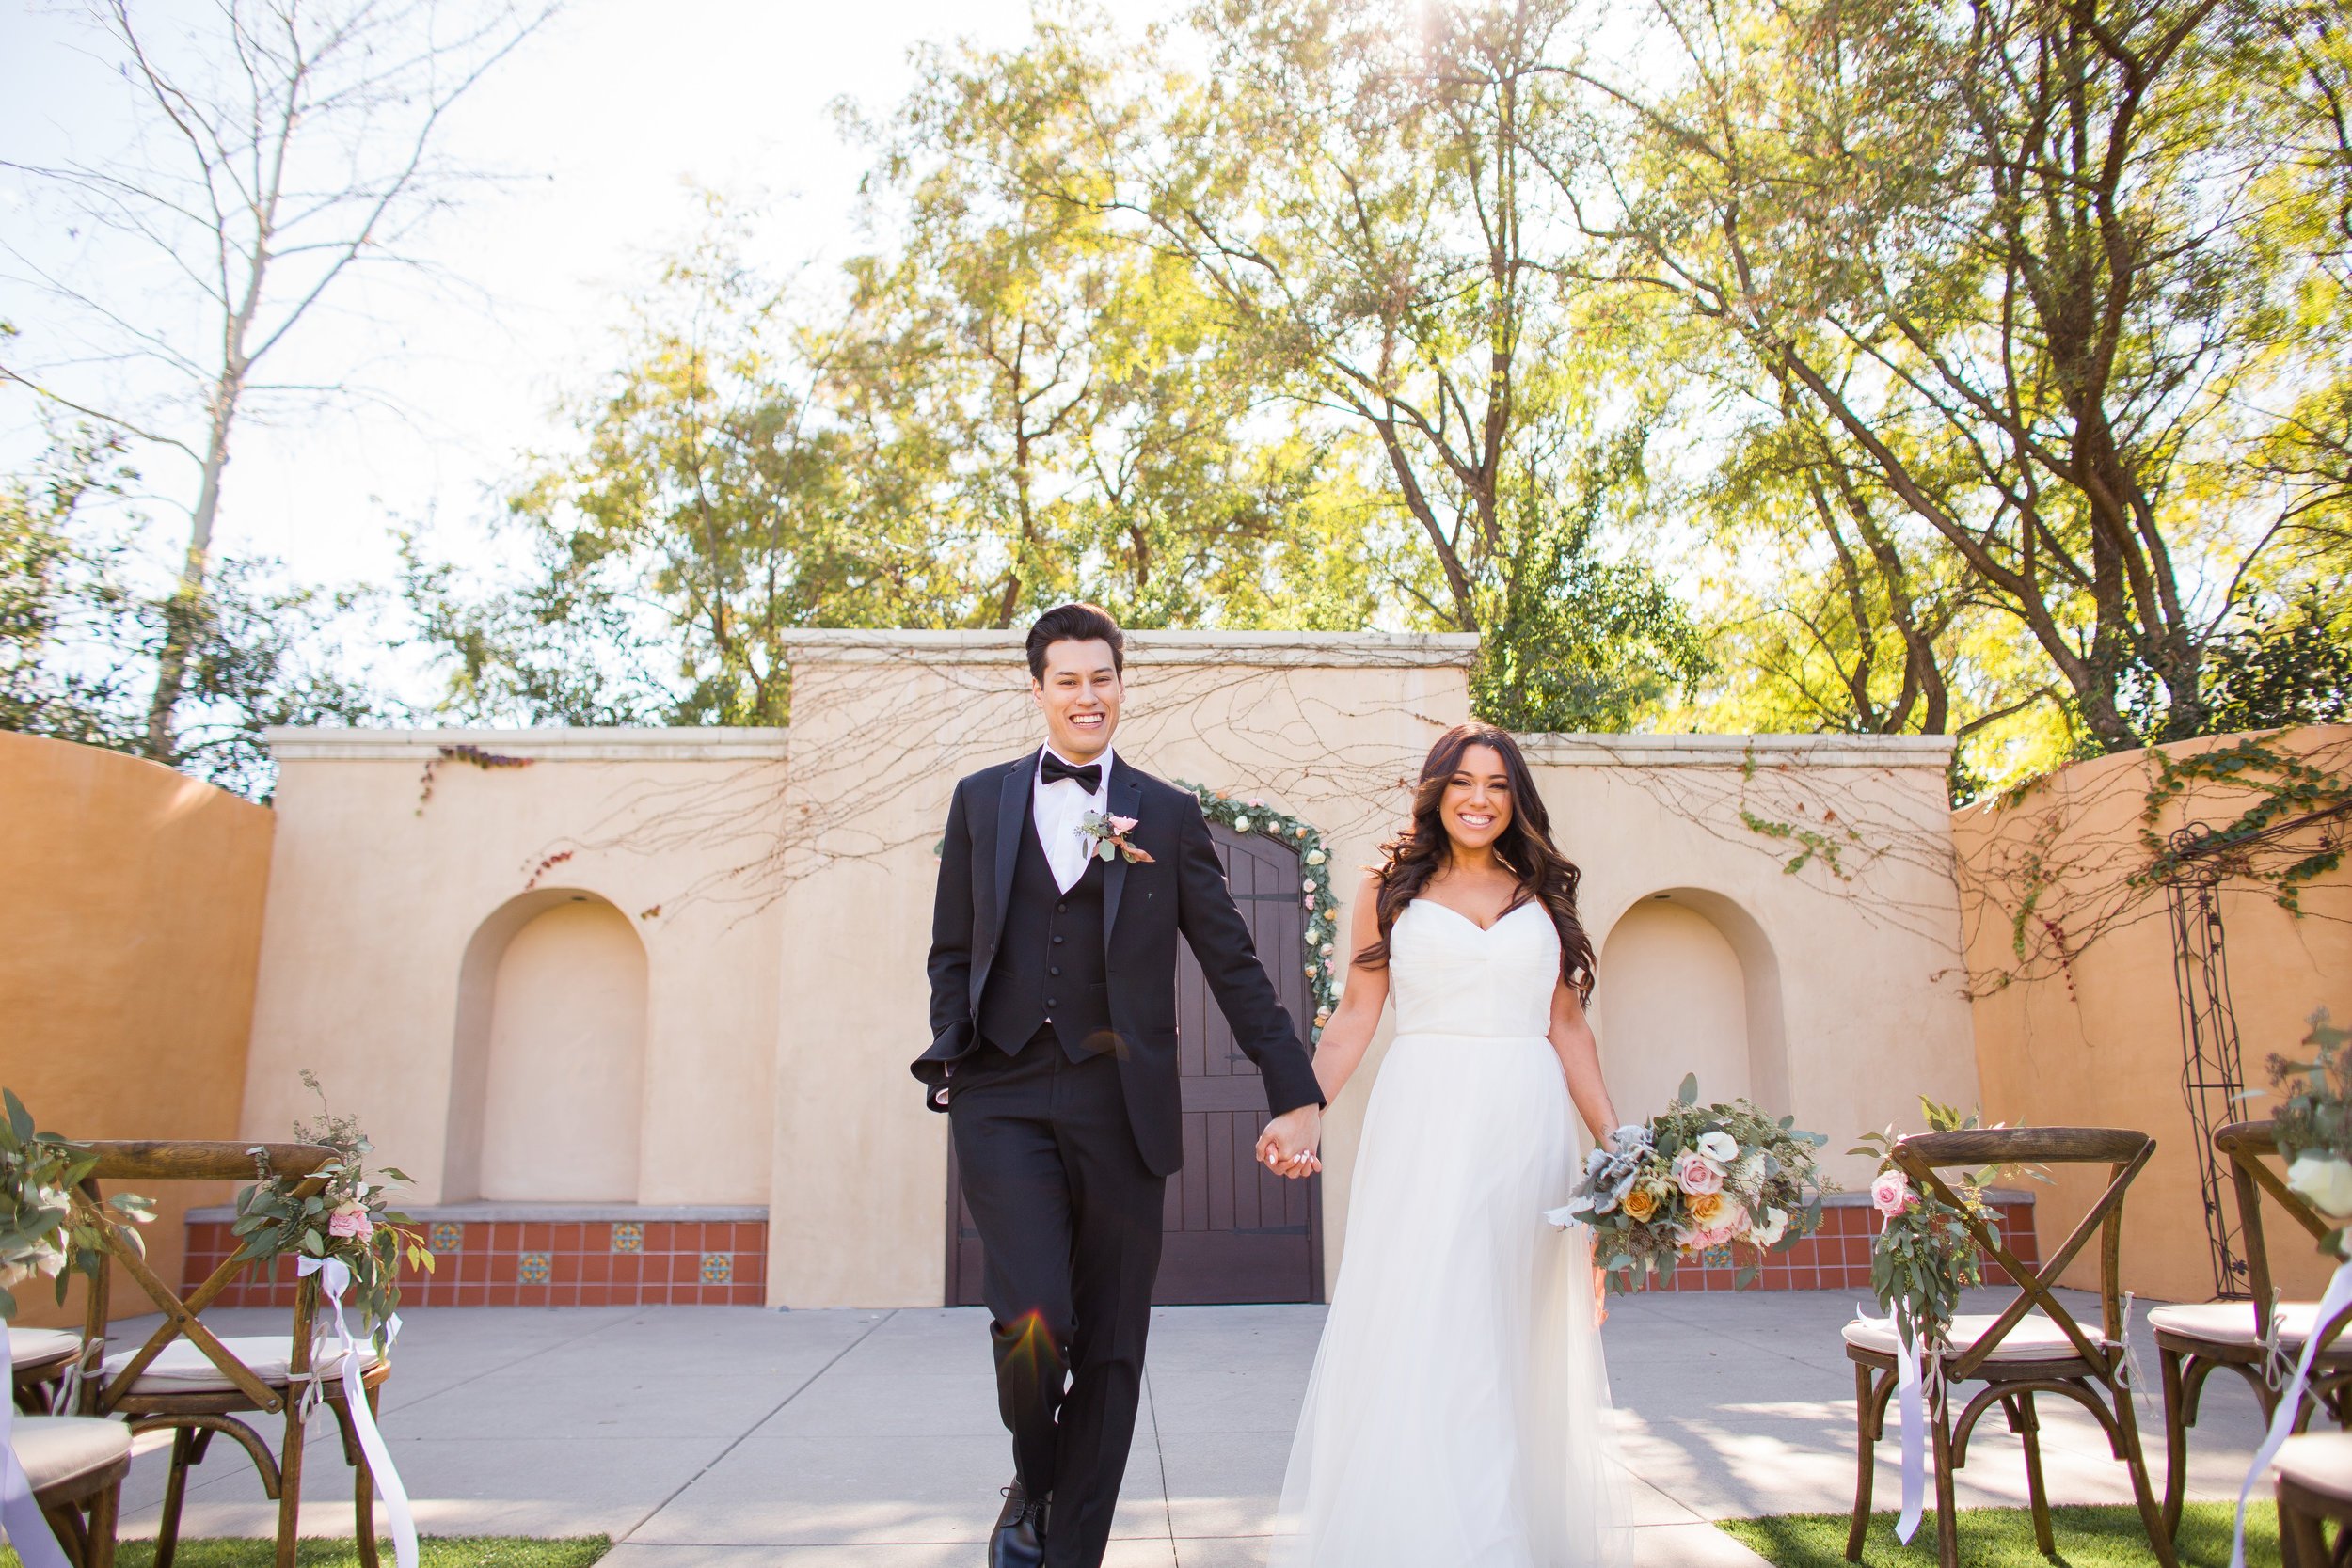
pixel 1253 815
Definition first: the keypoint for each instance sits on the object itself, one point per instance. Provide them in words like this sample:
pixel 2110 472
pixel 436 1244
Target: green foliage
pixel 2288 790
pixel 79 639
pixel 1925 1256
pixel 2313 1117
pixel 350 1217
pixel 47 1226
pixel 2105 1535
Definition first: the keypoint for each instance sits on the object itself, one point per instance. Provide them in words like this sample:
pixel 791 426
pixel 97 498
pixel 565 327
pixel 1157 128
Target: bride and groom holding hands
pixel 1456 1417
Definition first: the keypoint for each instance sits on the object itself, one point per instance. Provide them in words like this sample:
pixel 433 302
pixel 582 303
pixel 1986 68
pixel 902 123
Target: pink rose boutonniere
pixel 1109 834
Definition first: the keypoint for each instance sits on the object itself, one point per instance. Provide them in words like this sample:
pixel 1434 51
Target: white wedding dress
pixel 1458 1412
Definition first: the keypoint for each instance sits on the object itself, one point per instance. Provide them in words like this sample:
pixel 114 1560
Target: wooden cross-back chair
pixel 186 1380
pixel 2199 1339
pixel 76 1465
pixel 2034 1346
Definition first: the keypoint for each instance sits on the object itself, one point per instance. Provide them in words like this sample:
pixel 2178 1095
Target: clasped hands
pixel 1287 1146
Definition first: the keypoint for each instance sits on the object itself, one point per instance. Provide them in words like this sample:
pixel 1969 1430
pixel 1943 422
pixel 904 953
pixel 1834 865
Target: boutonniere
pixel 1109 834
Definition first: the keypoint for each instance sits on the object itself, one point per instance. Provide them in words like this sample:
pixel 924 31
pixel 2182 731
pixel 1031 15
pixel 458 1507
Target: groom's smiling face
pixel 1079 695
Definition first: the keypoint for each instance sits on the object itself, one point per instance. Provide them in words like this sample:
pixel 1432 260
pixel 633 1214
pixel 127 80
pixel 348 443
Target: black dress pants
pixel 1070 1224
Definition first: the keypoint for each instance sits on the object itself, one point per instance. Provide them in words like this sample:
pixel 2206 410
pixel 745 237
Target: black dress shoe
pixel 1019 1538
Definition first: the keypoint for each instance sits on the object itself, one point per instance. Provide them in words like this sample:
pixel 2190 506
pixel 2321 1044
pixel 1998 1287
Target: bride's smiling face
pixel 1476 804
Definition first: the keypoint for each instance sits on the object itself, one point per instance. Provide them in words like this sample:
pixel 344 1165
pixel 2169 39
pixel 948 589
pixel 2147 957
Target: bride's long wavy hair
pixel 1412 859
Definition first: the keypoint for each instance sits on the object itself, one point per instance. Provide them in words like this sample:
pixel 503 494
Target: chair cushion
pixel 2231 1323
pixel 30 1346
pixel 183 1369
pixel 58 1451
pixel 2034 1337
pixel 2319 1462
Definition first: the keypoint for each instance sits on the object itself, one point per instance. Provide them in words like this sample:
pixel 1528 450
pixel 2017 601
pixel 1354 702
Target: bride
pixel 1458 1410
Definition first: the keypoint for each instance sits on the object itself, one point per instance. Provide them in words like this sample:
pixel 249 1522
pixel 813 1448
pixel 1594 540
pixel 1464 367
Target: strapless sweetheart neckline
pixel 1473 924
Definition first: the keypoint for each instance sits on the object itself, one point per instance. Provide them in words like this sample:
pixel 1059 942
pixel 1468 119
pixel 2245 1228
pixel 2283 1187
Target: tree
pixel 711 505
pixel 284 151
pixel 1343 188
pixel 2020 265
pixel 62 599
pixel 77 634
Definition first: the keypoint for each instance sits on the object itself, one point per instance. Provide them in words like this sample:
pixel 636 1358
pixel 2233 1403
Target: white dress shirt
pixel 1057 807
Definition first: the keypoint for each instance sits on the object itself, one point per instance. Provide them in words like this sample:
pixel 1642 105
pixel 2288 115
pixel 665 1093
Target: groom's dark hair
pixel 1076 623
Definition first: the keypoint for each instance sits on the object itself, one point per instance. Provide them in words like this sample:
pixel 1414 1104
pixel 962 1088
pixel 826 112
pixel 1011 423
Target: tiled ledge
pixel 477 1212
pixel 545 1255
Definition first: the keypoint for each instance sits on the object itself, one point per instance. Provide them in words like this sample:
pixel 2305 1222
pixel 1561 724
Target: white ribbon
pixel 1910 1393
pixel 2333 1300
pixel 334 1278
pixel 20 1514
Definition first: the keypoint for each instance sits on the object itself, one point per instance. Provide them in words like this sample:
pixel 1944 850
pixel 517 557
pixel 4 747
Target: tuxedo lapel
pixel 1126 792
pixel 1012 804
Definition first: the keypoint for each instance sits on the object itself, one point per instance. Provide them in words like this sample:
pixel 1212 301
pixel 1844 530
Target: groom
pixel 1053 1053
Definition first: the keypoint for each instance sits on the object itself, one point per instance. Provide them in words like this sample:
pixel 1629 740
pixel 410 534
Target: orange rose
pixel 1639 1205
pixel 1705 1209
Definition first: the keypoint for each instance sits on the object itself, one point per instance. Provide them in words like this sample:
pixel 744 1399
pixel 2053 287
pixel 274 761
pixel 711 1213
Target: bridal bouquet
pixel 1693 1177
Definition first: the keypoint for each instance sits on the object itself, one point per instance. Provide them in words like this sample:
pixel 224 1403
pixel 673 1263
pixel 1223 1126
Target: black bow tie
pixel 1089 776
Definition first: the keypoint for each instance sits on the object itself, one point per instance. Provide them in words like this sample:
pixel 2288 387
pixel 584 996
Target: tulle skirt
pixel 1458 1412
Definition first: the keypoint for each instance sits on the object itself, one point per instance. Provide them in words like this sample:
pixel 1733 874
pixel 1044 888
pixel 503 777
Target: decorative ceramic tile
pixel 537 1267
pixel 717 1268
pixel 1715 1258
pixel 628 1236
pixel 446 1236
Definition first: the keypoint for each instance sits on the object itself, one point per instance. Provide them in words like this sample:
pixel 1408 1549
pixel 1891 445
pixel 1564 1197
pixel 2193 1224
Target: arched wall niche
pixel 1689 983
pixel 547 1070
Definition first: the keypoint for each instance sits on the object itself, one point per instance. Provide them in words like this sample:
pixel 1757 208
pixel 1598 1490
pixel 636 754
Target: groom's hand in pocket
pixel 1287 1146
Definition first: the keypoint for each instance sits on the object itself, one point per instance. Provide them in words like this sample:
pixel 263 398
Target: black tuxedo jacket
pixel 1145 907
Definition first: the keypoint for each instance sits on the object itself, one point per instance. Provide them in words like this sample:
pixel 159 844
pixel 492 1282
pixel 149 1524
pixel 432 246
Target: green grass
pixel 433 1551
pixel 2105 1536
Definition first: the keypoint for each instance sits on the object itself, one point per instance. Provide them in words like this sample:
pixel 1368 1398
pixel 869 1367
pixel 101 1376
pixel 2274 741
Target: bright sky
pixel 611 114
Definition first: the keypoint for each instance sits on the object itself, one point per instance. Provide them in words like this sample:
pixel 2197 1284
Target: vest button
pixel 1057 941
pixel 1051 1003
pixel 1056 970
pixel 1059 908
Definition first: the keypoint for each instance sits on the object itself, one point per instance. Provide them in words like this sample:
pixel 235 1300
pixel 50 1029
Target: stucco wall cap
pixel 1239 649
pixel 1732 750
pixel 687 743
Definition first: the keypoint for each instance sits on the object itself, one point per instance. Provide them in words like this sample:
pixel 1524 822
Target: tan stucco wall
pixel 129 928
pixel 1850 968
pixel 1853 978
pixel 381 903
pixel 1329 727
pixel 2085 1028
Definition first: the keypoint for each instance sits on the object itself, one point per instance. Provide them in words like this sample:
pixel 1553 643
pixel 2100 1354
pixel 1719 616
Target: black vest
pixel 1048 966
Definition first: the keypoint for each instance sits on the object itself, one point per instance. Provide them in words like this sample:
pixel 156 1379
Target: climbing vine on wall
pixel 473 756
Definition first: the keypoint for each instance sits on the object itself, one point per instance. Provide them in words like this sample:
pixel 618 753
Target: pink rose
pixel 1122 825
pixel 1694 1176
pixel 1890 1195
pixel 351 1219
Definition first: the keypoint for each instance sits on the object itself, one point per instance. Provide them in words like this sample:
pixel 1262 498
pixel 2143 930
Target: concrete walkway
pixel 724 1438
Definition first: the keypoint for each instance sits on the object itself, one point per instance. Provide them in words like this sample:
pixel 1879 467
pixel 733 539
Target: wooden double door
pixel 1231 1231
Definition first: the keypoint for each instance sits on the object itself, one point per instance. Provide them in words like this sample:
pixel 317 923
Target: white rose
pixel 1718 1147
pixel 1315 857
pixel 1241 824
pixel 1775 1225
pixel 2324 1178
